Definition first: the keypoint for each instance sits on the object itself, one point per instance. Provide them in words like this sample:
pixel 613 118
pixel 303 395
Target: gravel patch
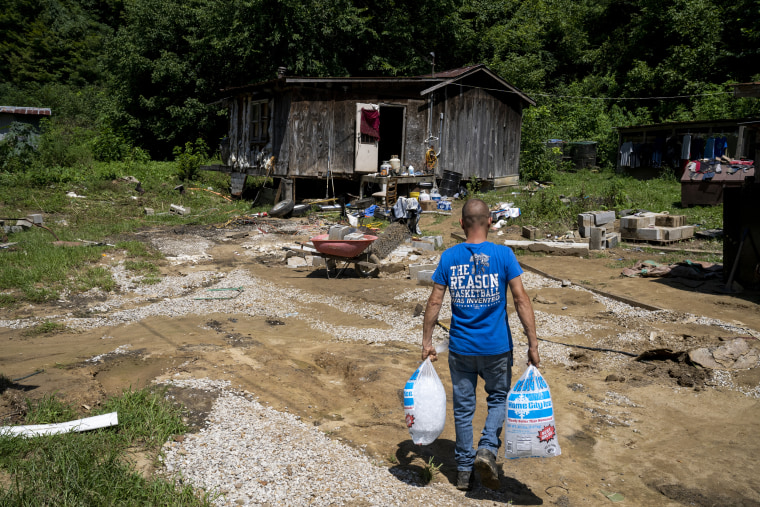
pixel 251 454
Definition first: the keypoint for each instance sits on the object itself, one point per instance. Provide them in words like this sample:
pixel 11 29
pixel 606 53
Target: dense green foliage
pixel 145 73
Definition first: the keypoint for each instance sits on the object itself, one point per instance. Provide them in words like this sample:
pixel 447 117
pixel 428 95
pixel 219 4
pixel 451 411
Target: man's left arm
pixel 527 318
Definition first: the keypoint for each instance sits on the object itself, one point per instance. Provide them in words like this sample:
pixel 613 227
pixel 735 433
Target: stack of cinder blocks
pixel 655 227
pixel 598 227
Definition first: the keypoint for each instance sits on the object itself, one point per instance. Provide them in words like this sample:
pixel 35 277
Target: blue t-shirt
pixel 477 276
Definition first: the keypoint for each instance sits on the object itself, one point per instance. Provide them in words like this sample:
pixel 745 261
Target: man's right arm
pixel 432 310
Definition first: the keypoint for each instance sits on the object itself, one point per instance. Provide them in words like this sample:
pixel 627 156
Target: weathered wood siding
pixel 312 130
pixel 481 133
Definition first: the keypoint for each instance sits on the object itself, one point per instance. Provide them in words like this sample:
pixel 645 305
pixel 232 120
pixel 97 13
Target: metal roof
pixel 32 111
pixel 432 82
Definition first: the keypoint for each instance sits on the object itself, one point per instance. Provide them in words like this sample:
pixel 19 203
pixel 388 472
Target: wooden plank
pixel 344 128
pixel 280 130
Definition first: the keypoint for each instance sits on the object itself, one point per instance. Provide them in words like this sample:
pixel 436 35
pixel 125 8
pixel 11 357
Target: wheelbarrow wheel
pixel 366 269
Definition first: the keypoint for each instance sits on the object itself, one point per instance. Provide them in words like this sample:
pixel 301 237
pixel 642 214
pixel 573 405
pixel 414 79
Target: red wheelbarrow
pixel 346 251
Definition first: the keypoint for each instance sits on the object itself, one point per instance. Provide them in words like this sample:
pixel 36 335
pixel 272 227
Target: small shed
pixel 346 127
pixel 29 115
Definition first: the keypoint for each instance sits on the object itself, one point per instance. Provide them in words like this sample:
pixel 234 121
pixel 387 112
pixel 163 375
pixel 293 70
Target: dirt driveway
pixel 338 352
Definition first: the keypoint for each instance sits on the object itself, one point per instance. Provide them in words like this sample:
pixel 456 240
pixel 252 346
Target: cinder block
pixel 416 268
pixel 585 220
pixel 687 231
pixel 425 277
pixel 35 218
pixel 671 233
pixel 632 222
pixel 530 232
pixel 149 211
pixel 649 234
pixel 423 245
pixel 613 239
pixel 603 217
pixel 316 260
pixel 597 238
pixel 179 210
pixel 436 240
pixel 663 220
pixel 584 231
pixel 338 232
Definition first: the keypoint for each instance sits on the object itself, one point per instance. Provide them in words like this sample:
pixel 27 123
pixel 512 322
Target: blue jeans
pixel 496 371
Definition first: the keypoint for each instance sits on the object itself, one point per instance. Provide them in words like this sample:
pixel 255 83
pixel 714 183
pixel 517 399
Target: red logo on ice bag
pixel 546 433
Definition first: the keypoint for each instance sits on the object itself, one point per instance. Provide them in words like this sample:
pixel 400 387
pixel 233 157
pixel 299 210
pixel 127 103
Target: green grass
pixel 555 208
pixel 91 468
pixel 46 328
pixel 37 271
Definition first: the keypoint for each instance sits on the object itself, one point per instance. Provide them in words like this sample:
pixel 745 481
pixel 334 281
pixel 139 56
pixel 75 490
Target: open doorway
pixel 392 127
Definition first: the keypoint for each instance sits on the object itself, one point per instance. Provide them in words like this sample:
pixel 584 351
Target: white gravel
pixel 250 454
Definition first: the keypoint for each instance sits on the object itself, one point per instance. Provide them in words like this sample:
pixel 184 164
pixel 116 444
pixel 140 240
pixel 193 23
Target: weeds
pixel 91 468
pixel 429 471
pixel 46 328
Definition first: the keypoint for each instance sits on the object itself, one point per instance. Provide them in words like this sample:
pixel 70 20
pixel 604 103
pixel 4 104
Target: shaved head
pixel 475 213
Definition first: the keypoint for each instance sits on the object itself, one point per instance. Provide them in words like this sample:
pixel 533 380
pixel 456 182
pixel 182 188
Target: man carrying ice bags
pixel 477 273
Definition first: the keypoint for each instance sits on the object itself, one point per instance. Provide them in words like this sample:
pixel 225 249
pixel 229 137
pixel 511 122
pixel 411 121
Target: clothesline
pixel 664 97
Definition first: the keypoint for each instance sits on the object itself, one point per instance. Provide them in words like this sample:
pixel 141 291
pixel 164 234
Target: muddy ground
pixel 658 432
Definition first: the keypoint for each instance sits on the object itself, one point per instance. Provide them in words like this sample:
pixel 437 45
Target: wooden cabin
pixel 312 126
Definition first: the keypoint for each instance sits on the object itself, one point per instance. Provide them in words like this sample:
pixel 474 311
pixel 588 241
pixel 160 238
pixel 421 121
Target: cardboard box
pixel 428 205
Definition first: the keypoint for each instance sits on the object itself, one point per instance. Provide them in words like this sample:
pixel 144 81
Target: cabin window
pixel 260 121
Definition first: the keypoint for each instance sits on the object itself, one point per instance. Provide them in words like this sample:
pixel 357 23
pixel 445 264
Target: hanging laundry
pixel 626 150
pixel 370 123
pixel 697 148
pixel 686 147
pixel 710 148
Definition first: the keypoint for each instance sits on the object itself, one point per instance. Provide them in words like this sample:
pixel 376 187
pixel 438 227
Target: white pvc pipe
pixel 88 423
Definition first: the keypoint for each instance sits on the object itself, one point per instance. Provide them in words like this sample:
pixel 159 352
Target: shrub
pixel 190 158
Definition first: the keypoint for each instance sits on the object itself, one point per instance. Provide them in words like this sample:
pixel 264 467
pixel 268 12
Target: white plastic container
pixel 395 164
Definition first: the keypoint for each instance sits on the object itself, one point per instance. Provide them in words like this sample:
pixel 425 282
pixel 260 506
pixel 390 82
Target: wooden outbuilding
pixel 346 127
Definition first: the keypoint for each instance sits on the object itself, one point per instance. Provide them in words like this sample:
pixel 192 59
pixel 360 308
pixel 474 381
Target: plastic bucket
pixel 414 195
pixel 449 183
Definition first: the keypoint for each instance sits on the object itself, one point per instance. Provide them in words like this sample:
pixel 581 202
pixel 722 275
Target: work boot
pixel 485 464
pixel 464 480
